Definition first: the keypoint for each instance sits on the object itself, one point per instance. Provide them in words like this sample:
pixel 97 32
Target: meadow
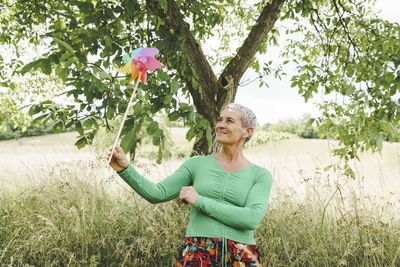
pixel 63 206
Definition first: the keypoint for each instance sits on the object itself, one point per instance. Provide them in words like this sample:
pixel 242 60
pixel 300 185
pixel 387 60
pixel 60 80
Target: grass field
pixel 63 206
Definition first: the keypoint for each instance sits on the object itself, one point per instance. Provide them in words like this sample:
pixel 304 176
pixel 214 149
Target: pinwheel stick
pixel 123 120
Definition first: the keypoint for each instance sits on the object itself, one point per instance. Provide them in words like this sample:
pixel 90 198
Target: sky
pixel 280 101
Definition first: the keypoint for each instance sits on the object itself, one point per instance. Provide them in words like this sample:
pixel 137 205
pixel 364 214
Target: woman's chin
pixel 222 141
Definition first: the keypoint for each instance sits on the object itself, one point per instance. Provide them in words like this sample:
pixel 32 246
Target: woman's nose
pixel 220 124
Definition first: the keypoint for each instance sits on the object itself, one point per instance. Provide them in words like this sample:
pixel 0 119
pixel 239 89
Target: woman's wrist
pixel 123 168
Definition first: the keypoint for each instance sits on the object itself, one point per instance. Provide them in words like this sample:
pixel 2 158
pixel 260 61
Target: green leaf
pixel 310 122
pixel 105 76
pixel 203 124
pixel 122 107
pixel 163 75
pixel 35 109
pixel 190 134
pixel 350 89
pixel 30 66
pixel 64 45
pixel 88 123
pixel 167 99
pixel 191 115
pixel 152 128
pixel 81 142
pixel 327 168
pixel 349 171
pixel 57 128
pixel 156 139
pixel 159 155
pixel 173 116
pixel 350 71
pixel 128 140
pixel 79 128
pixel 46 66
pixel 379 143
pixel 39 119
pixel 163 4
pixel 129 124
pixel 110 112
pixel 46 102
pixel 174 86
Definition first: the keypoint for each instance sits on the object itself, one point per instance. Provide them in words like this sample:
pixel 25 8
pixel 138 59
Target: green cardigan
pixel 229 205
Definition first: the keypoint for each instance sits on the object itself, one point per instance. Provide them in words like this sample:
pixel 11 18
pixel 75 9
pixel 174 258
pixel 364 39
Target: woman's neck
pixel 231 153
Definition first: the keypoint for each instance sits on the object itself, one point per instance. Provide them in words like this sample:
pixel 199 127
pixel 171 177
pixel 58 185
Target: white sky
pixel 280 101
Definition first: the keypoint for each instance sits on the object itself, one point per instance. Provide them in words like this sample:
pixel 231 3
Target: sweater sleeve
pixel 165 190
pixel 246 217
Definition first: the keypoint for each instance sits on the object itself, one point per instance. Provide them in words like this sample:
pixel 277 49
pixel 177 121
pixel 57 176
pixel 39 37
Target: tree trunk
pixel 216 93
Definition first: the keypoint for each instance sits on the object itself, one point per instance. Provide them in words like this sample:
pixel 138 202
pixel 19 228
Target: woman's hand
pixel 119 161
pixel 188 194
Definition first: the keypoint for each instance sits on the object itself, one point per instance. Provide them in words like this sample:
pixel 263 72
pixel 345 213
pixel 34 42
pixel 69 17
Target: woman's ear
pixel 248 131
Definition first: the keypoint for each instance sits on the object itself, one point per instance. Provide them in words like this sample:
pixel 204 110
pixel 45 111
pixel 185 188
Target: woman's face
pixel 229 128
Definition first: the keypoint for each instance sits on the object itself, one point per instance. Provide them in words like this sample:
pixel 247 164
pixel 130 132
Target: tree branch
pixel 234 71
pixel 173 20
pixel 345 28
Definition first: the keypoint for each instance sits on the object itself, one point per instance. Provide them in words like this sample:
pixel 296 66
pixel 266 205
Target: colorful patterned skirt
pixel 202 251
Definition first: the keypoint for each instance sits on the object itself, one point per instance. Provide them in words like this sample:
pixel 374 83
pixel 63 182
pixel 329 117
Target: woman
pixel 227 194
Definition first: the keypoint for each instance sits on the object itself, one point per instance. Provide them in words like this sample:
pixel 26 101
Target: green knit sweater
pixel 229 205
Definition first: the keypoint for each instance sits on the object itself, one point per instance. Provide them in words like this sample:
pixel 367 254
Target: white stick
pixel 123 120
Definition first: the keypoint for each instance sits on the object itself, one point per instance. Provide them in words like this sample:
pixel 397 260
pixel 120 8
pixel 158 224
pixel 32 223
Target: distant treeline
pixel 300 128
pixel 32 130
pixel 293 126
pixel 290 125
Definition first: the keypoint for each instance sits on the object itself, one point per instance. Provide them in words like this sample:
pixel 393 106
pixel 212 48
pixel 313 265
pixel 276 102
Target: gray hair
pixel 248 117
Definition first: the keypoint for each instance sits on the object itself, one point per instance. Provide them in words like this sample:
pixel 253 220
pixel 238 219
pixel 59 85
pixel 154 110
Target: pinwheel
pixel 141 60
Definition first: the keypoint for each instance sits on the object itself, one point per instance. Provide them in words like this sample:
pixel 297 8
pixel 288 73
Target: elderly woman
pixel 227 194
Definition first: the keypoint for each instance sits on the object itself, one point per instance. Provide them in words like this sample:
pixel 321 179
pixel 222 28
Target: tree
pixel 344 49
pixel 354 55
pixel 18 92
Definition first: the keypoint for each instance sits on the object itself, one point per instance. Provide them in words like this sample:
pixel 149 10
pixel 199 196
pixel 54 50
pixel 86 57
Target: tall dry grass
pixel 80 213
pixel 81 217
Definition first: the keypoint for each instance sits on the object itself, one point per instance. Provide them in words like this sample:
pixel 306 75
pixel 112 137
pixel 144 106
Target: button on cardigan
pixel 230 205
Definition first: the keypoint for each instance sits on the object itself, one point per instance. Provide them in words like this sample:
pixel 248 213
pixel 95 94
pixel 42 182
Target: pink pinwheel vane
pixel 141 60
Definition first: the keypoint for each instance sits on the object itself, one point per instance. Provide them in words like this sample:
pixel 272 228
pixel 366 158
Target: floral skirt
pixel 202 251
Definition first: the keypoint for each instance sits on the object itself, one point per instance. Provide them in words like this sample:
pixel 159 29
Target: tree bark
pixel 216 93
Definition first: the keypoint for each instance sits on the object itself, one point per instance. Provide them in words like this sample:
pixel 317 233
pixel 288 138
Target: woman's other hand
pixel 119 161
pixel 188 194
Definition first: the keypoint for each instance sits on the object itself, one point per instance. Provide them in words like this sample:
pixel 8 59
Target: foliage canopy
pixel 340 47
